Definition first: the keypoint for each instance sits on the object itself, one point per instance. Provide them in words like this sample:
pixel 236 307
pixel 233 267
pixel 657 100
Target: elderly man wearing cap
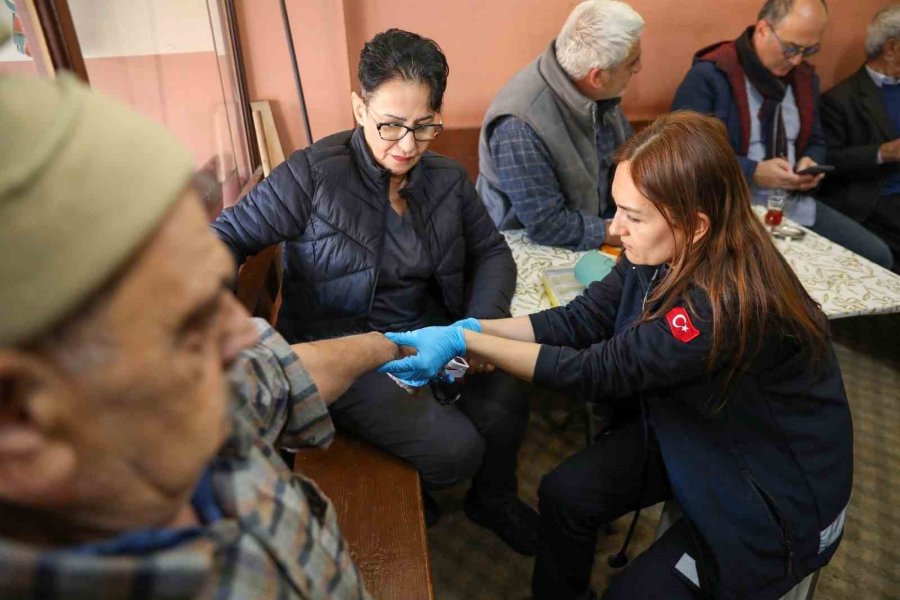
pixel 124 471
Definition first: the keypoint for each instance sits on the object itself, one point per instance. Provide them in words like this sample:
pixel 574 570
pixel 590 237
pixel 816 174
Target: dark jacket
pixel 328 204
pixel 856 124
pixel 715 85
pixel 764 481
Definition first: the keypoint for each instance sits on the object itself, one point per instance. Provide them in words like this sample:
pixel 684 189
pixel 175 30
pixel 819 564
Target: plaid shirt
pixel 528 178
pixel 277 536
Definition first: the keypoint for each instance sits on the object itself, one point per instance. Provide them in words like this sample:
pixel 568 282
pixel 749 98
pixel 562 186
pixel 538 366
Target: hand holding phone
pixel 816 170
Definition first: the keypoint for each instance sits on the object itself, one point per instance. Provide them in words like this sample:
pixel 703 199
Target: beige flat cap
pixel 84 181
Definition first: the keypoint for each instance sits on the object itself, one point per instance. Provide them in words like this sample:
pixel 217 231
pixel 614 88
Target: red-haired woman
pixel 703 326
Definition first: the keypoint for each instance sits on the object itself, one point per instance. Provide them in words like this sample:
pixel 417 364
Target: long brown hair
pixel 684 164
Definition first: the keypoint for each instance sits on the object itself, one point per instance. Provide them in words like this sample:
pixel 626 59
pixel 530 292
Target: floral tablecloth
pixel 844 283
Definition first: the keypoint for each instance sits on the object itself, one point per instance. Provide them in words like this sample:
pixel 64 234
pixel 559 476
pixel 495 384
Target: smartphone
pixel 816 169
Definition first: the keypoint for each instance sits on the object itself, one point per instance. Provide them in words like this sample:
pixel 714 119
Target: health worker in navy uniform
pixel 703 326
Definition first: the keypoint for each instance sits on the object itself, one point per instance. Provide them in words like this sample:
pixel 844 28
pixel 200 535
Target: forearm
pixel 517 328
pixel 557 225
pixel 850 159
pixel 335 364
pixel 516 357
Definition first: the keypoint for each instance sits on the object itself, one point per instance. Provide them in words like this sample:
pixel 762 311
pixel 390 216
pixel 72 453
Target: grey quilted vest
pixel 545 98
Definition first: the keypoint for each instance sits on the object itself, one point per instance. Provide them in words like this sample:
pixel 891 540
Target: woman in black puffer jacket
pixel 380 234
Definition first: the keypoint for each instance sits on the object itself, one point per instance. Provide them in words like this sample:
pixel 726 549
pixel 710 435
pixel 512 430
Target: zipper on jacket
pixel 703 566
pixel 649 287
pixel 387 196
pixel 777 518
pixel 419 225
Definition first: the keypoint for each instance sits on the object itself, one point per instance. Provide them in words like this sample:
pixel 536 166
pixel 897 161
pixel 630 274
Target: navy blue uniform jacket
pixel 764 481
pixel 328 204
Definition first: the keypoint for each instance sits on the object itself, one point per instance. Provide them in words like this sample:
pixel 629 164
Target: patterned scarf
pixel 773 90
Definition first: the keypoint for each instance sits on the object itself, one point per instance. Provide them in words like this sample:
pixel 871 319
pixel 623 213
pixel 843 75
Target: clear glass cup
pixel 775 207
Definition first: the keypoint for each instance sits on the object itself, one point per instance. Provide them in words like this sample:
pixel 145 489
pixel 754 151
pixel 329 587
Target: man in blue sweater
pixel 765 92
pixel 861 117
pixel 548 138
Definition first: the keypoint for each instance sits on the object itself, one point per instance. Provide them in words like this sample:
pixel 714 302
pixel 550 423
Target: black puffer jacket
pixel 328 204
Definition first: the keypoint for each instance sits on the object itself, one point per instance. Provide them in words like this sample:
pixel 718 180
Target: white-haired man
pixel 140 407
pixel 861 117
pixel 548 138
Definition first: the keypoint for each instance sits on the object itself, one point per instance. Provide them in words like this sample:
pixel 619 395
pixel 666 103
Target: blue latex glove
pixel 436 346
pixel 471 323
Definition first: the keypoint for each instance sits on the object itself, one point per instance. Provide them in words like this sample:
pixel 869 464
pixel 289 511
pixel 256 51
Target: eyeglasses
pixel 394 132
pixel 790 50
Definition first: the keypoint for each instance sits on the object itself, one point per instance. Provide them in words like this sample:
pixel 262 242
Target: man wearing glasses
pixel 767 95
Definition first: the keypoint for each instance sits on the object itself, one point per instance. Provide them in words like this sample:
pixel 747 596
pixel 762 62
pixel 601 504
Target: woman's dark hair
pixel 684 164
pixel 398 54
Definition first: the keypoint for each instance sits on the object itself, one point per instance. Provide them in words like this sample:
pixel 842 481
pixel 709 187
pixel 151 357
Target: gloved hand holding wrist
pixel 470 323
pixel 435 347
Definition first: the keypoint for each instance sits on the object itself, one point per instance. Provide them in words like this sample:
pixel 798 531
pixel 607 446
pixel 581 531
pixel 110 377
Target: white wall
pixel 115 28
pixel 110 28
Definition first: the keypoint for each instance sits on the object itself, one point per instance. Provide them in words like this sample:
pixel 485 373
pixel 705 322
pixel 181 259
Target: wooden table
pixel 844 283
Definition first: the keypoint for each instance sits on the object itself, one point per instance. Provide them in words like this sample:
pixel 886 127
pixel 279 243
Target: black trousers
pixel 591 488
pixel 478 438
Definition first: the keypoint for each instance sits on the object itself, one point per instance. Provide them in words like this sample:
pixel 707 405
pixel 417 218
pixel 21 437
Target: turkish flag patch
pixel 680 325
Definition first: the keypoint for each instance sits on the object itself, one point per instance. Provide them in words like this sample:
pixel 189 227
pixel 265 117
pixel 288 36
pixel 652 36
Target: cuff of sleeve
pixel 878 158
pixel 308 422
pixel 545 371
pixel 749 168
pixel 594 233
pixel 541 326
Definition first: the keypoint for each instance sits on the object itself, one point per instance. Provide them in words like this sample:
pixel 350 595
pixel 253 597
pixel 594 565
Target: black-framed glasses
pixel 394 132
pixel 790 50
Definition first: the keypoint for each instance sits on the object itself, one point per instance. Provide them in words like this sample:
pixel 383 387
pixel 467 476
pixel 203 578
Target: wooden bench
pixel 379 509
pixel 376 496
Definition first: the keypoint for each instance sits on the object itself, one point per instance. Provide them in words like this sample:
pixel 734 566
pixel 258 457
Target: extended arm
pixel 335 364
pixel 284 389
pixel 643 357
pixel 510 343
pixel 513 356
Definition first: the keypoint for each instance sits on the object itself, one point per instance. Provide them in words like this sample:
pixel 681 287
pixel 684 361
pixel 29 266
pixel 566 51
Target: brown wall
pixel 182 91
pixel 486 42
pixel 319 32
